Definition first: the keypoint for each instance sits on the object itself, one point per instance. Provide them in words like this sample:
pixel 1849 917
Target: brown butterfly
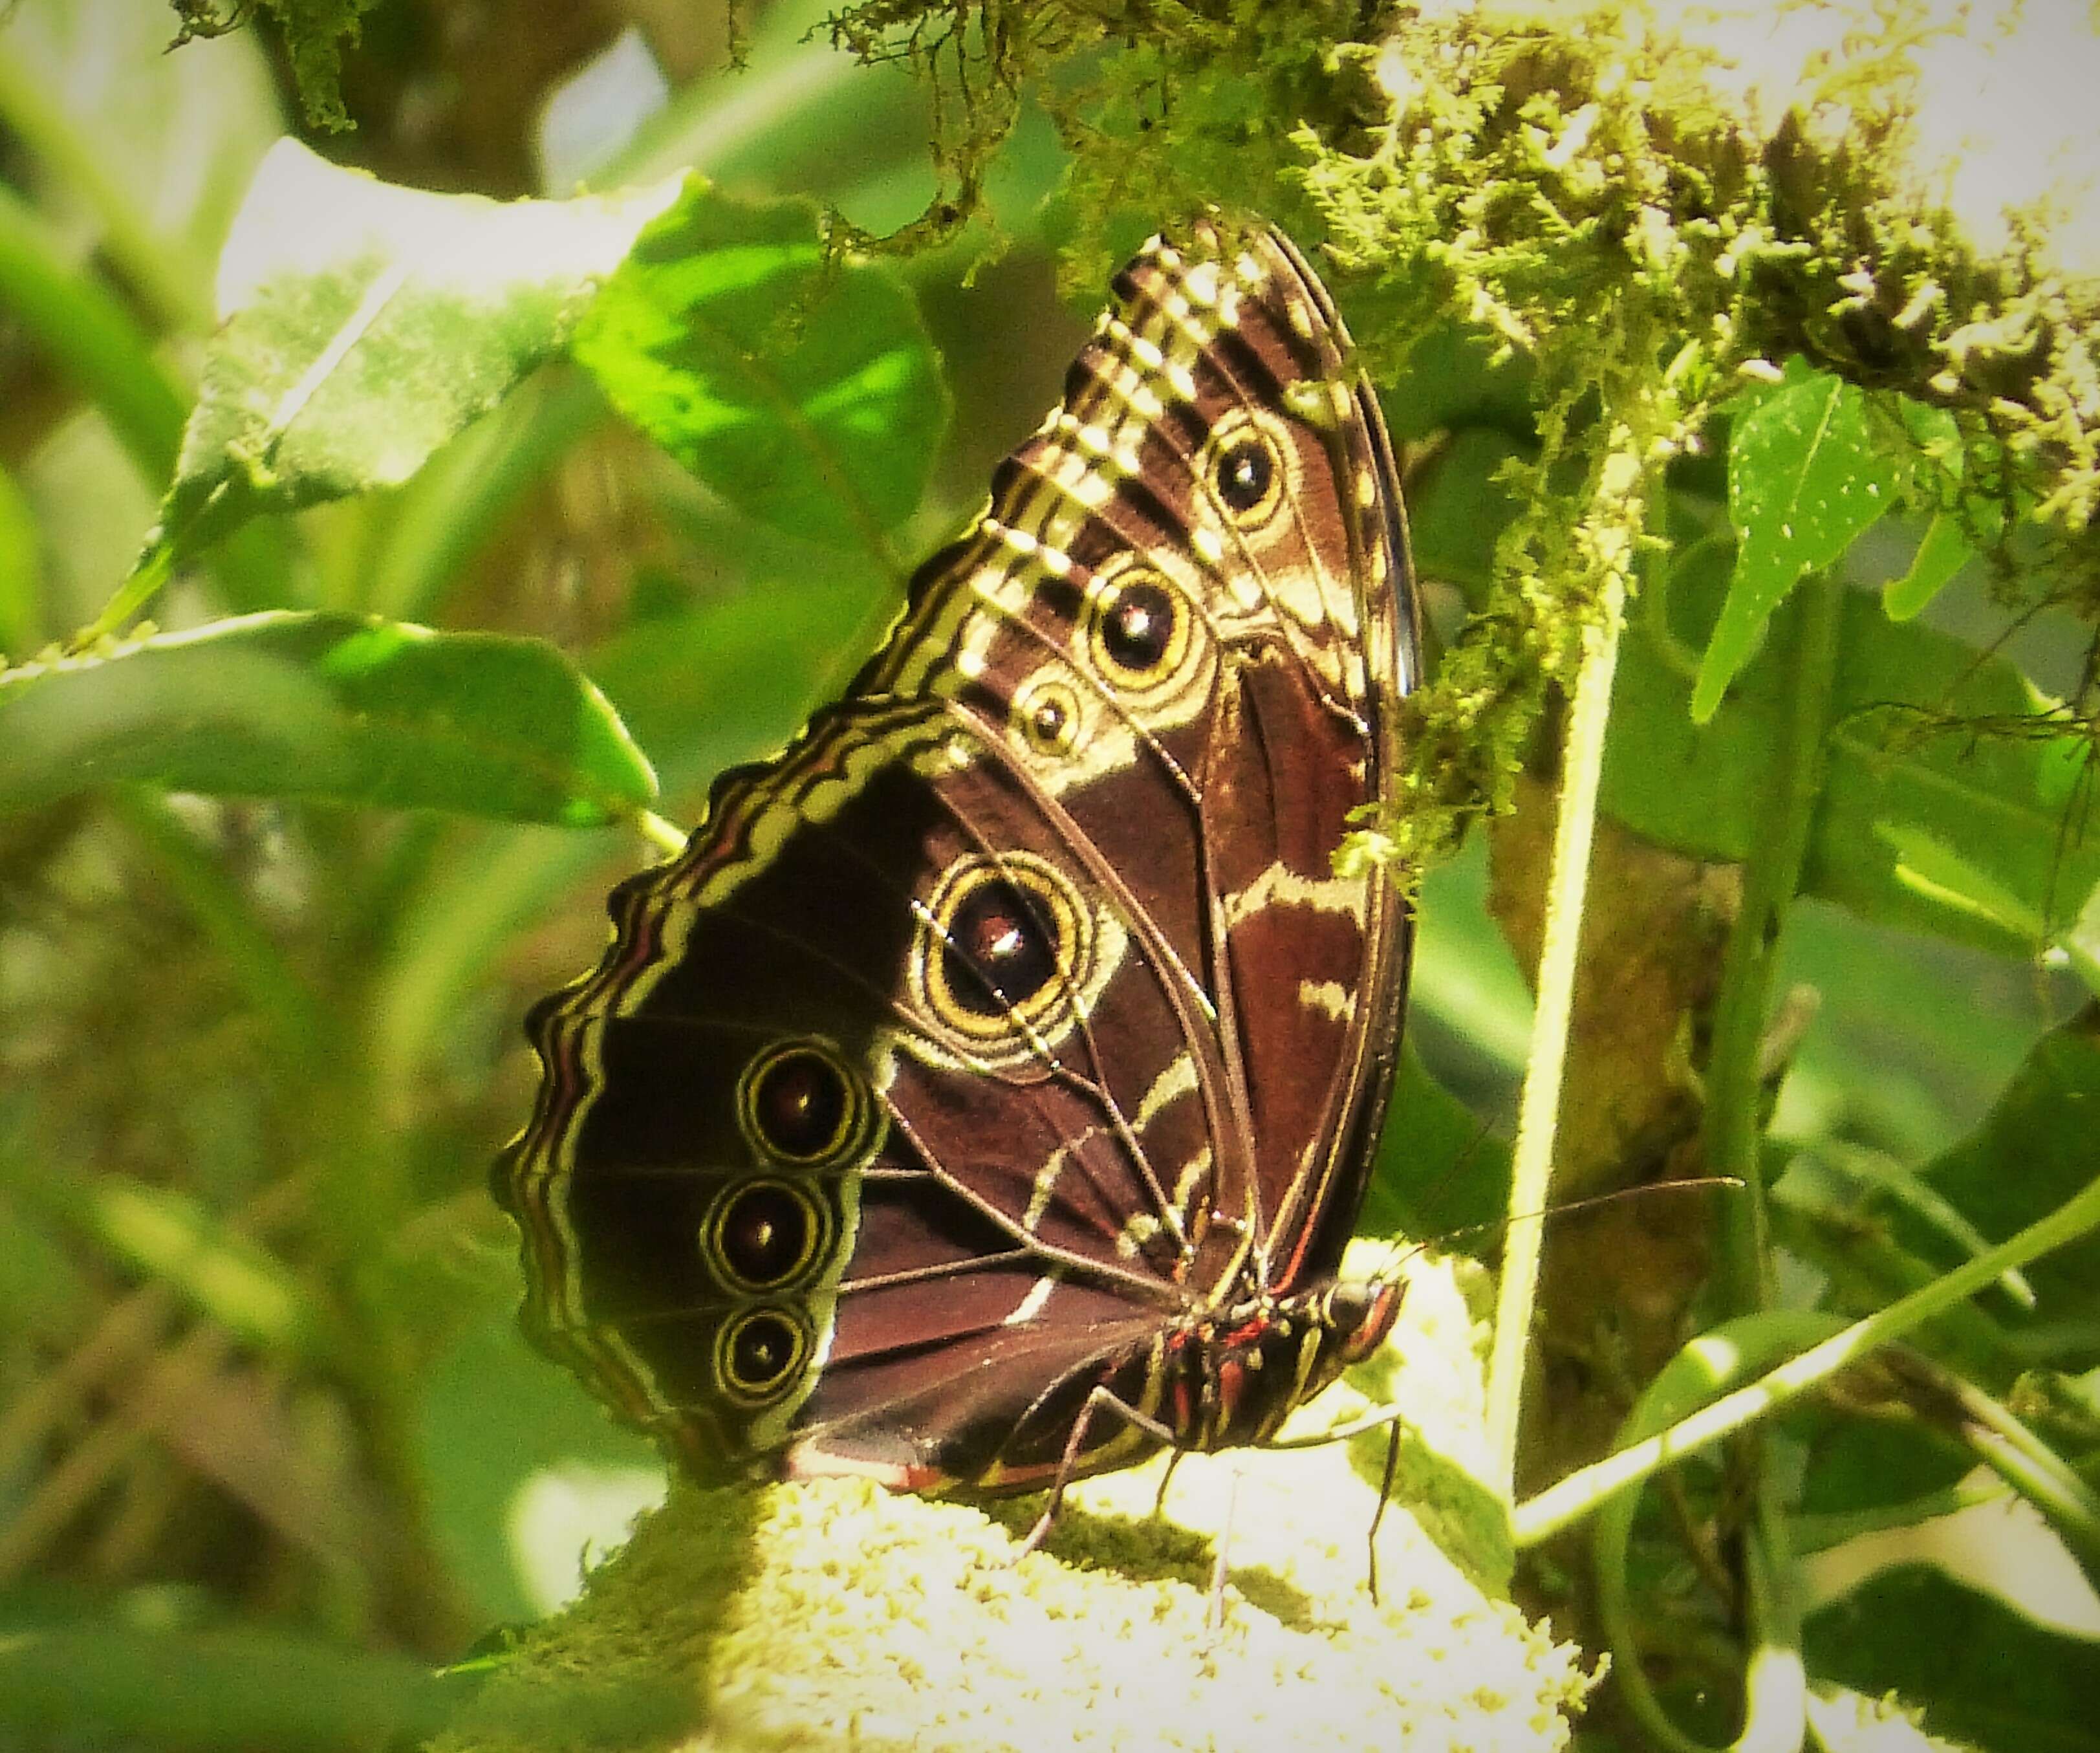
pixel 985 1096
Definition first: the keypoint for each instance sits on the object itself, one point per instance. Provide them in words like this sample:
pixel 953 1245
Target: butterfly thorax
pixel 1231 1377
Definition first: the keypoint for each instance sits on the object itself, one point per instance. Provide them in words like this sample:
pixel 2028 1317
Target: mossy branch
pixel 833 1614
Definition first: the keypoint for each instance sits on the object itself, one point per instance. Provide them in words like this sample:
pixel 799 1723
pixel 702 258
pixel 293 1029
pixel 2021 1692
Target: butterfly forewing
pixel 1014 1022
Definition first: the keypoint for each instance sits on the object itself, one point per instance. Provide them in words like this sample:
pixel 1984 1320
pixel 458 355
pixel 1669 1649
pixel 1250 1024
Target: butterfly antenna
pixel 1564 1209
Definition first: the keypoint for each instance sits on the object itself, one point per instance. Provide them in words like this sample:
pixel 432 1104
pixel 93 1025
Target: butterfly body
pixel 1009 1047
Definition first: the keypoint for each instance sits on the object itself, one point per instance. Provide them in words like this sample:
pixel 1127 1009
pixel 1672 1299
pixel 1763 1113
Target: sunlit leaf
pixel 808 396
pixel 1983 1673
pixel 1949 801
pixel 363 324
pixel 162 1234
pixel 341 707
pixel 1807 475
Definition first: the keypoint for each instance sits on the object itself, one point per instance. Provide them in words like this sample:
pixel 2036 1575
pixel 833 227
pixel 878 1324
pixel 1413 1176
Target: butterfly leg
pixel 1101 1399
pixel 1214 1615
pixel 1166 1479
pixel 1385 1418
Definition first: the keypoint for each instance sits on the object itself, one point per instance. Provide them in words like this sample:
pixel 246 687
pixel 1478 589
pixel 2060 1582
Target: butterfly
pixel 985 1096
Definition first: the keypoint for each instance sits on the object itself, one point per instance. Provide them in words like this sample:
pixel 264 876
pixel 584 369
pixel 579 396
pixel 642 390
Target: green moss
pixel 1582 187
pixel 833 1614
pixel 315 32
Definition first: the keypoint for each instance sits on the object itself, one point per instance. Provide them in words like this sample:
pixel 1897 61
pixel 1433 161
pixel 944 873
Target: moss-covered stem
pixel 1582 765
pixel 1771 874
pixel 1581 1491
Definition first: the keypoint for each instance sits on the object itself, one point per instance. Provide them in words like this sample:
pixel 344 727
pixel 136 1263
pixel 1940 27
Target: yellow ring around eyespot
pixel 1102 603
pixel 1046 690
pixel 1059 910
pixel 848 1139
pixel 816 1230
pixel 1231 432
pixel 757 1394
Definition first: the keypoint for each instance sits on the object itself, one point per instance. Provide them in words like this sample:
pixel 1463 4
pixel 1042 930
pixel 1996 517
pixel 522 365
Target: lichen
pixel 832 1612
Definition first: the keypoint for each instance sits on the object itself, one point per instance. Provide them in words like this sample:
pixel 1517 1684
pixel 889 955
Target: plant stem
pixel 1582 1490
pixel 1772 873
pixel 1582 765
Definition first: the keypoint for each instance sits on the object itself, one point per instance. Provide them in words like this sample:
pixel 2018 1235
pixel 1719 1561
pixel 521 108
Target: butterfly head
pixel 1357 1314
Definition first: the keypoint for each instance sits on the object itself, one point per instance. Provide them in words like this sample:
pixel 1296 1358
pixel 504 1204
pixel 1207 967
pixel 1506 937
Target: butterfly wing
pixel 1016 1010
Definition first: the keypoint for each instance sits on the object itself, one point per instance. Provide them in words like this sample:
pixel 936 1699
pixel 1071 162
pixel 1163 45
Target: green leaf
pixel 1949 806
pixel 1985 1674
pixel 2034 1150
pixel 1941 552
pixel 108 1684
pixel 809 398
pixel 1441 1176
pixel 727 681
pixel 338 707
pixel 1806 475
pixel 1458 505
pixel 363 325
pixel 491 1415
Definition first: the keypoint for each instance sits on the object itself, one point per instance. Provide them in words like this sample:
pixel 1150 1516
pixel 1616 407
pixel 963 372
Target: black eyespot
pixel 1046 716
pixel 761 1352
pixel 766 1235
pixel 1138 627
pixel 800 1105
pixel 999 953
pixel 1244 475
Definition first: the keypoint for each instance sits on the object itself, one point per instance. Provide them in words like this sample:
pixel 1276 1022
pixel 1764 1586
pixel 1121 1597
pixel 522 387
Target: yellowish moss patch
pixel 832 1613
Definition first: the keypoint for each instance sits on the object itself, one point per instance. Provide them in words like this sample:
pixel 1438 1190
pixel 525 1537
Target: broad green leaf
pixel 2035 1150
pixel 106 1683
pixel 726 682
pixel 1458 507
pixel 809 397
pixel 1806 475
pixel 1441 1176
pixel 491 1415
pixel 1940 554
pixel 363 325
pixel 1949 805
pixel 339 707
pixel 1985 1674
